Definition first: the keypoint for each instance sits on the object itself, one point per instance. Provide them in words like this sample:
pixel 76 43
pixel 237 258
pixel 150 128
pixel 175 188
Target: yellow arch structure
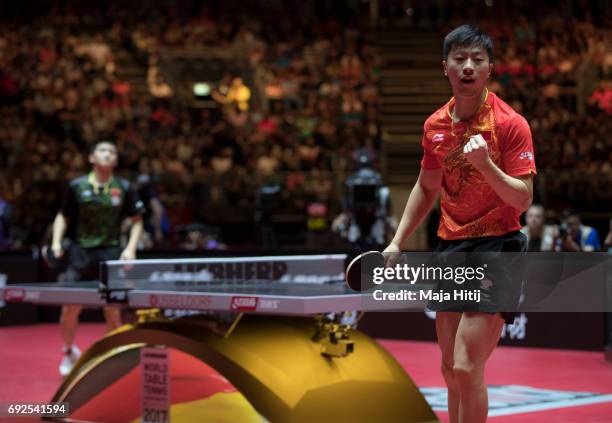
pixel 276 362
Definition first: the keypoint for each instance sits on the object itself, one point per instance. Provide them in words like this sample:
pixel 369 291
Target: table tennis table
pixel 273 298
pixel 269 306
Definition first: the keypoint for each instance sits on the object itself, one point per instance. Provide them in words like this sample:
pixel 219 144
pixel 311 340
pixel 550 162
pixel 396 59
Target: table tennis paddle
pixel 49 257
pixel 360 271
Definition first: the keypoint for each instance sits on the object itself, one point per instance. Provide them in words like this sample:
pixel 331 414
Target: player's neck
pixel 465 108
pixel 102 175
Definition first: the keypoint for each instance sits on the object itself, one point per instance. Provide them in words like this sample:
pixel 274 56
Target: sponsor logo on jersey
pixel 115 196
pixel 438 138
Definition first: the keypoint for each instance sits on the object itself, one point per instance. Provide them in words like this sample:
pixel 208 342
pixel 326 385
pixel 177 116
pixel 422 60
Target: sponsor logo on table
pixel 265 304
pixel 14 294
pixel 179 277
pixel 155 385
pixel 246 271
pixel 205 277
pixel 243 303
pixel 185 302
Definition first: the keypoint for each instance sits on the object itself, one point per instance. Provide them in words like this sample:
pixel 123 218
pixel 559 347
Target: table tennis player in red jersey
pixel 478 157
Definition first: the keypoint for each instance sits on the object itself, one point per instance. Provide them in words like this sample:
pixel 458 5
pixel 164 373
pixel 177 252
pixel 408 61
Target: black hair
pixel 567 213
pixel 467 35
pixel 94 145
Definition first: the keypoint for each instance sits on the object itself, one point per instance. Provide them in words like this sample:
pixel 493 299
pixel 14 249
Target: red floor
pixel 29 356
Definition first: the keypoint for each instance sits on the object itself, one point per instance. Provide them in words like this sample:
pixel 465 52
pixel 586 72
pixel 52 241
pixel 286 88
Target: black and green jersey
pixel 95 212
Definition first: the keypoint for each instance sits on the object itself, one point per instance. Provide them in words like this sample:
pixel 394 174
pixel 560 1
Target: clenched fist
pixel 476 152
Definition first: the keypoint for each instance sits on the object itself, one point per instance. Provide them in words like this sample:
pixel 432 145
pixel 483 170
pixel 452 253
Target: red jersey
pixel 469 206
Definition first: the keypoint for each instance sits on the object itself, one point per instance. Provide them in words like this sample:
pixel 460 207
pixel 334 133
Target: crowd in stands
pixel 570 235
pixel 314 101
pixel 541 70
pixel 309 100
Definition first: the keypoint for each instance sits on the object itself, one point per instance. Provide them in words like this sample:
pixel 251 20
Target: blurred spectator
pixel 574 236
pixel 197 236
pixel 155 222
pixel 6 230
pixel 602 97
pixel 233 93
pixel 540 237
pixel 608 240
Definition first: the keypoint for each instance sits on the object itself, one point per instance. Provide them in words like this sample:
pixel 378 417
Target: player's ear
pixel 444 67
pixel 490 68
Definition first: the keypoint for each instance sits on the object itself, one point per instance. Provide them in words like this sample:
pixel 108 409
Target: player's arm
pixel 515 191
pixel 129 252
pixel 422 198
pixel 134 208
pixel 514 184
pixel 59 229
pixel 158 215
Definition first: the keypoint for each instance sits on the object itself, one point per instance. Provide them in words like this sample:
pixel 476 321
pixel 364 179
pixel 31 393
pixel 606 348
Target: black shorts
pixel 500 290
pixel 84 263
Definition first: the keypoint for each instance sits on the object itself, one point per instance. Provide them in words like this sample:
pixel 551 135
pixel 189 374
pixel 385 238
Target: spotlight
pixel 201 89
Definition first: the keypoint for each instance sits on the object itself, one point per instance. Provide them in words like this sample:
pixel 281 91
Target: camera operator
pixel 367 206
pixel 268 200
pixel 574 236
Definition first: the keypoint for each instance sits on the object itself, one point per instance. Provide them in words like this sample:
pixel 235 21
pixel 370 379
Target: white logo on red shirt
pixel 438 138
pixel 526 155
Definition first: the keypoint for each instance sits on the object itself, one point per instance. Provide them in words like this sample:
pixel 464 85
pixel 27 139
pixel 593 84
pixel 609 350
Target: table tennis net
pixel 155 273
